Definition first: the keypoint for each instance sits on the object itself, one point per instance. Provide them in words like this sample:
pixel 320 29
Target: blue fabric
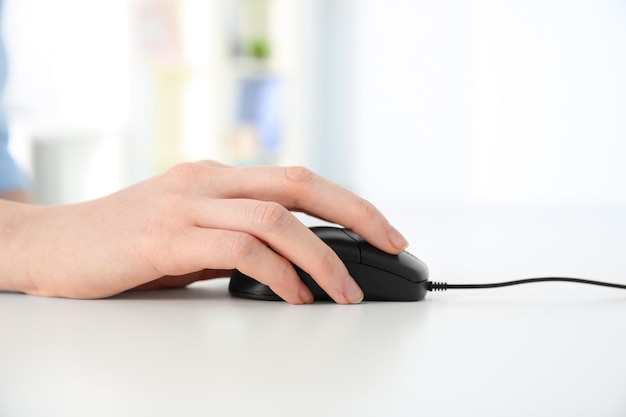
pixel 10 176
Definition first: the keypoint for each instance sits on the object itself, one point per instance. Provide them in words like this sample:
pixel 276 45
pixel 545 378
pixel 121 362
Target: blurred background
pixel 467 101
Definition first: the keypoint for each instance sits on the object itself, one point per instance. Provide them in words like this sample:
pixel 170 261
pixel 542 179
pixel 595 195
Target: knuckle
pixel 242 246
pixel 299 175
pixel 269 215
pixel 366 210
pixel 184 175
pixel 328 261
pixel 210 163
pixel 283 276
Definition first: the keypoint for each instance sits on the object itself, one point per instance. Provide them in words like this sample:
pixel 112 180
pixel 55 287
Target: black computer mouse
pixel 381 276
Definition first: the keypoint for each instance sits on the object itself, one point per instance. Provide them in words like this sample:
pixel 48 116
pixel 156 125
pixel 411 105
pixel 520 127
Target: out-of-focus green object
pixel 259 48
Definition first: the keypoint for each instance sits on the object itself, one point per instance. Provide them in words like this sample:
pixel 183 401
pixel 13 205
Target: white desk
pixel 540 350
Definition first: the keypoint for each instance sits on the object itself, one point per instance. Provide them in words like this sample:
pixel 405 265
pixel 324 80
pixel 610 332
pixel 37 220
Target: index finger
pixel 299 189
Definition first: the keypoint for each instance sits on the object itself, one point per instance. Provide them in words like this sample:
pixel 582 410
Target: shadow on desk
pixel 215 290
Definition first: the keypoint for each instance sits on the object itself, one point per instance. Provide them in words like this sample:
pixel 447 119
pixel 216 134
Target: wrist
pixel 16 242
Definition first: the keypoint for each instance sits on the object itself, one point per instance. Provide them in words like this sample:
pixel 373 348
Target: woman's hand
pixel 196 221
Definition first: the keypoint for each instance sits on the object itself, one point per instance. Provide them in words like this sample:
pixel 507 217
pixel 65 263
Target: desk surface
pixel 540 350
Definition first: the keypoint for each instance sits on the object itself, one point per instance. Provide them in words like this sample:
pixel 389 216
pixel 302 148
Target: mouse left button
pixel 343 244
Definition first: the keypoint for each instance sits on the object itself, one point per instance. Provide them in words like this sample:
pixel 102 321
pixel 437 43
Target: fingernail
pixel 396 238
pixel 352 291
pixel 305 294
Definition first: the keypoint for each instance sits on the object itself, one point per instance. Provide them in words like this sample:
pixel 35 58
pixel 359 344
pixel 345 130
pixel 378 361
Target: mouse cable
pixel 443 286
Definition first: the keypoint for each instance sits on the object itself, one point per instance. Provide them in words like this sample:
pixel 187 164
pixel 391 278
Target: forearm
pixel 55 250
pixel 74 251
